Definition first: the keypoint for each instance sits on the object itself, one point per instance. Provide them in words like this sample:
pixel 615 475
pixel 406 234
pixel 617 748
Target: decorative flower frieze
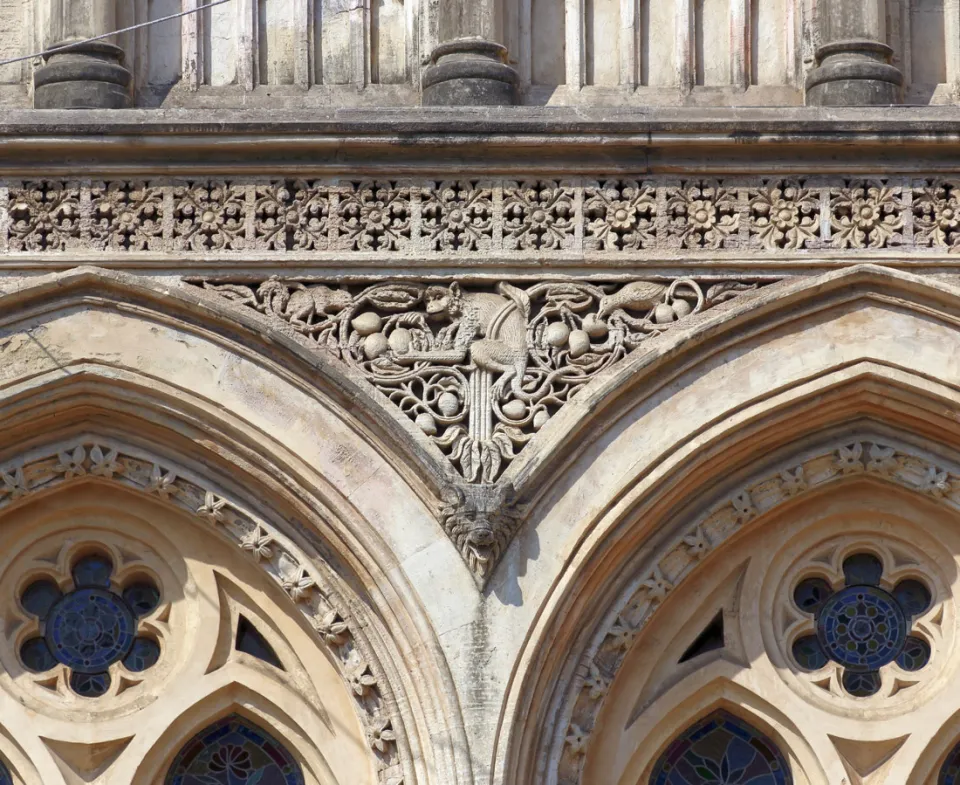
pixel 702 214
pixel 866 215
pixel 623 216
pixel 209 216
pixel 374 216
pixel 538 215
pixel 292 215
pixel 44 216
pixel 620 214
pixel 784 215
pixel 936 214
pixel 127 216
pixel 458 215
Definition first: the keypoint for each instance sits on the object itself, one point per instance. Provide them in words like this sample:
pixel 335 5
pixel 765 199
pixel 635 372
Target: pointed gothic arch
pixel 64 390
pixel 237 745
pixel 850 377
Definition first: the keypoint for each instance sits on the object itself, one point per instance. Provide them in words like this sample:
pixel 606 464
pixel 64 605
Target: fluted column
pixel 87 76
pixel 854 62
pixel 469 68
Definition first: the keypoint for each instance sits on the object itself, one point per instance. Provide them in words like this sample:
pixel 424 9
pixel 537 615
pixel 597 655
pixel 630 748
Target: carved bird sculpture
pixel 636 296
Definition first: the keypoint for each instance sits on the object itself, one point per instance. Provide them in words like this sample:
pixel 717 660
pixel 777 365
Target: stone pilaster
pixel 854 62
pixel 87 75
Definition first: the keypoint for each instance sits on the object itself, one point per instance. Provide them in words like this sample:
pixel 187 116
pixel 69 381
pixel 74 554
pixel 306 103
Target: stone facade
pixel 511 393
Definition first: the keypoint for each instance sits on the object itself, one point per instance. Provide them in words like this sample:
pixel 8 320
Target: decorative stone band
pixel 538 218
pixel 900 465
pixel 106 460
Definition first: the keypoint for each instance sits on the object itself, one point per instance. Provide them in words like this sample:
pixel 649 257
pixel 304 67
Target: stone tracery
pixel 107 460
pixel 895 464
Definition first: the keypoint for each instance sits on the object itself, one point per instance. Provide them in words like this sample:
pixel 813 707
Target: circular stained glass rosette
pixel 862 628
pixel 89 629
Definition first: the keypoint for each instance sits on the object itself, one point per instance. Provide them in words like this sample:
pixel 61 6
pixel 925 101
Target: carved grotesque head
pixel 443 300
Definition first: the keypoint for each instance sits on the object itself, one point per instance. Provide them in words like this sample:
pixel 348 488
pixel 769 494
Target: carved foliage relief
pixel 533 216
pixel 481 370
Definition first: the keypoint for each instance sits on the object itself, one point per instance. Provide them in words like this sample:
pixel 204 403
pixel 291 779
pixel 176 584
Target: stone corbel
pixel 481 521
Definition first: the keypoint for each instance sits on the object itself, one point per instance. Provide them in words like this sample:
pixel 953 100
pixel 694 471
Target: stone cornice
pixel 560 140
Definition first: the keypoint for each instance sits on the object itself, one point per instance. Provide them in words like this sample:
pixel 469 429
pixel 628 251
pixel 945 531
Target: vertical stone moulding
pixel 469 72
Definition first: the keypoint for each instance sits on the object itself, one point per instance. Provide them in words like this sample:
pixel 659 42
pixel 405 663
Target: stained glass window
pixel 861 626
pixel 721 750
pixel 90 627
pixel 5 778
pixel 950 770
pixel 234 752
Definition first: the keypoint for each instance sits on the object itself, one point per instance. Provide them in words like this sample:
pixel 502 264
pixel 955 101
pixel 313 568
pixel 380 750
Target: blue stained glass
pixel 5 778
pixel 915 654
pixel 862 628
pixel 859 684
pixel 143 655
pixel 142 598
pixel 913 597
pixel 718 750
pixel 39 597
pixel 89 685
pixel 89 629
pixel 950 770
pixel 811 594
pixel 234 752
pixel 862 568
pixel 36 655
pixel 808 653
pixel 93 570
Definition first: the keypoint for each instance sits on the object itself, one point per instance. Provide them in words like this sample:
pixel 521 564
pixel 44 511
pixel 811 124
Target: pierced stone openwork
pixel 860 626
pixel 862 621
pixel 721 749
pixel 234 751
pixel 91 627
pixel 88 617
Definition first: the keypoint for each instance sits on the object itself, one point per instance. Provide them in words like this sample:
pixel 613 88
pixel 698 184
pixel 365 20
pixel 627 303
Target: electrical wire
pixel 75 44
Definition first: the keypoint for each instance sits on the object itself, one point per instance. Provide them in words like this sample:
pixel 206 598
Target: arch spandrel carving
pixel 61 381
pixel 858 381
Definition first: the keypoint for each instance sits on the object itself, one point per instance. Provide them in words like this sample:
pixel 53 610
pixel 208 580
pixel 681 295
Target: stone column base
pixel 469 72
pixel 88 76
pixel 854 73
